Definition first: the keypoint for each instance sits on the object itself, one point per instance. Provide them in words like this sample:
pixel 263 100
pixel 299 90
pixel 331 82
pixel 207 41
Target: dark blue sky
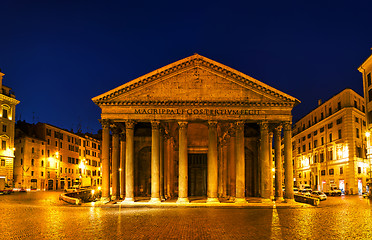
pixel 57 55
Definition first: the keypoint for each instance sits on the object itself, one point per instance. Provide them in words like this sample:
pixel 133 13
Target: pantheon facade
pixel 196 128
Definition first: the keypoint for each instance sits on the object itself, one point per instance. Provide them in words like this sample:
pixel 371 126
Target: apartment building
pixel 8 103
pixel 51 158
pixel 329 145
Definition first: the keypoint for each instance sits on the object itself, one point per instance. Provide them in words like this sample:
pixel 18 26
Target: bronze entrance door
pixel 197 174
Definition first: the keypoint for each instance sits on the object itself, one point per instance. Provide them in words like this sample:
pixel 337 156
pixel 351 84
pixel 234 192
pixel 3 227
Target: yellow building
pixel 50 158
pixel 366 70
pixel 329 145
pixel 7 121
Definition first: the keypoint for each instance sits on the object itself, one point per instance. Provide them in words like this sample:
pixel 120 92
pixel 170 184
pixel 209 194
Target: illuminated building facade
pixel 195 128
pixel 50 158
pixel 329 145
pixel 7 122
pixel 366 70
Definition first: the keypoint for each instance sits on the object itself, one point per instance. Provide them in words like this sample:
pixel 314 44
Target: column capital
pixel 287 126
pixel 115 129
pixel 182 124
pixel 155 124
pixel 130 124
pixel 123 136
pixel 264 125
pixel 212 124
pixel 105 123
pixel 278 128
pixel 239 125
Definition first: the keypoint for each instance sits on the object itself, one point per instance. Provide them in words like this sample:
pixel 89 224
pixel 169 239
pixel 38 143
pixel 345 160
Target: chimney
pixel 319 102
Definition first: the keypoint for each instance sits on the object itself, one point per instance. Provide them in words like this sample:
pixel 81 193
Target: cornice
pixel 193 62
pixel 9 99
pixel 196 103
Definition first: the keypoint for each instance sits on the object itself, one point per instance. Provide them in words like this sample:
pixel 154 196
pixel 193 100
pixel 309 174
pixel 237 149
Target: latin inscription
pixel 213 112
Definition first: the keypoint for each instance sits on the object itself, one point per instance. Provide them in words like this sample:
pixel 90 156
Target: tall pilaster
pixel 212 162
pixel 278 165
pixel 183 164
pixel 115 163
pixel 122 164
pixel 105 159
pixel 129 164
pixel 155 162
pixel 240 163
pixel 288 166
pixel 265 162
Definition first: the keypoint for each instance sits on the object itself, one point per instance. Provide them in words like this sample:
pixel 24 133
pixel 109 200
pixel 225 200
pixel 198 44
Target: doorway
pixel 197 181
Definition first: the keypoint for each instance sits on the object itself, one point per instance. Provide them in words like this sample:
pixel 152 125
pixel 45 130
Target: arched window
pixel 6 113
pixel 42 163
pixel 32 162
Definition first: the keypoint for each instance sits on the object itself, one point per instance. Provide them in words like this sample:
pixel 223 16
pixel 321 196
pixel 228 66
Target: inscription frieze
pixel 213 112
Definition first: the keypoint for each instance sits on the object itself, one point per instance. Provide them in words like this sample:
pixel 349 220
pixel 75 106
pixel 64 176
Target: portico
pixel 195 127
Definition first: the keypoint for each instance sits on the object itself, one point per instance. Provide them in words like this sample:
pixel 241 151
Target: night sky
pixel 57 55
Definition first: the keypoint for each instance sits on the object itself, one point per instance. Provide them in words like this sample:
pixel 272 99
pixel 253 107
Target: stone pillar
pixel 232 167
pixel 212 163
pixel 271 185
pixel 240 163
pixel 129 164
pixel 183 164
pixel 155 162
pixel 278 165
pixel 161 167
pixel 265 162
pixel 122 165
pixel 288 166
pixel 115 163
pixel 105 160
pixel 224 169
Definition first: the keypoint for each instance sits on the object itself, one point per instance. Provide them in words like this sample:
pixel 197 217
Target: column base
pixel 240 200
pixel 213 200
pixel 155 200
pixel 279 199
pixel 290 201
pixel 183 200
pixel 105 199
pixel 114 198
pixel 128 200
pixel 266 200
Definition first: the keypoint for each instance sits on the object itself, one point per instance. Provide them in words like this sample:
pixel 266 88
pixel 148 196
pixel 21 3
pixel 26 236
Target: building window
pixel 339 134
pixel 32 162
pixel 339 121
pixel 321 129
pixel 315 143
pixel 322 172
pixel 369 95
pixel 339 105
pixel 3 162
pixel 21 161
pixel 309 146
pixel 330 125
pixel 5 113
pixel 3 145
pixel 369 79
pixel 321 157
pixel 357 132
pixel 299 150
pixel 321 116
pixel 330 137
pixel 355 104
pixel 331 171
pixel 341 170
pixel 359 170
pixel 330 154
pixel 309 135
pixel 42 151
pixel 330 111
pixel 303 148
pixel 315 132
pixel 4 128
pixel 42 163
pixel 356 120
pixel 322 140
pixel 42 174
pixel 32 173
pixel 315 158
pixel 33 150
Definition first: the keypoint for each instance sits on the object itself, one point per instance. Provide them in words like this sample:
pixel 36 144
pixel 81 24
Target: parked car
pixel 318 194
pixel 333 191
pixel 306 192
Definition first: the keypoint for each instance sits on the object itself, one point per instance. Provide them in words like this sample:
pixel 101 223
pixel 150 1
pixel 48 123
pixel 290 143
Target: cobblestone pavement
pixel 40 215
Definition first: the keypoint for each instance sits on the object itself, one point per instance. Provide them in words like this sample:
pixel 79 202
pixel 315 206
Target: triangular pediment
pixel 195 79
